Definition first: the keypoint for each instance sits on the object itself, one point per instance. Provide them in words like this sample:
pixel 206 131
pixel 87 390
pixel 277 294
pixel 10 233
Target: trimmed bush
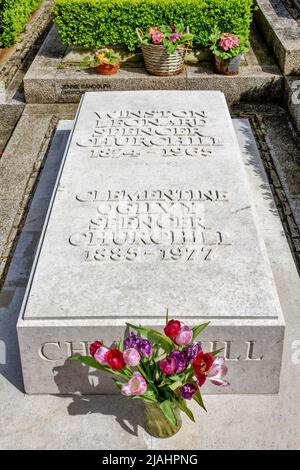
pixel 14 15
pixel 98 23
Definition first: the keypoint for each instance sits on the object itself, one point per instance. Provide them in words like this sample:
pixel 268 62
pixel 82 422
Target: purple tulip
pixel 180 360
pixel 168 366
pixel 131 357
pixel 132 341
pixel 192 350
pixel 187 391
pixel 137 385
pixel 145 348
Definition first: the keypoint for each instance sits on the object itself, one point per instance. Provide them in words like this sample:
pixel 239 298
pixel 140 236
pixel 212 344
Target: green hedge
pixel 14 15
pixel 95 23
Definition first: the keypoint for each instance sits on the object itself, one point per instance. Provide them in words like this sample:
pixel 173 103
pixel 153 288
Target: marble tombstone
pixel 151 210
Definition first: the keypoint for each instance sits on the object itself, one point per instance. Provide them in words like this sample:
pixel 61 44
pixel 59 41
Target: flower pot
pixel 108 69
pixel 228 66
pixel 159 62
pixel 157 424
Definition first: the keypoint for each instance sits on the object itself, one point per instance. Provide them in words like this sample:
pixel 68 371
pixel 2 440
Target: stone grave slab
pixel 151 210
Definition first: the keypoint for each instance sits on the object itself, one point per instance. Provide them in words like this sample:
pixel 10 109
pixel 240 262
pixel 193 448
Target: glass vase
pixel 157 424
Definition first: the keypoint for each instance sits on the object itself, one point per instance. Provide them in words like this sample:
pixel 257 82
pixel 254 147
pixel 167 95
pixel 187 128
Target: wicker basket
pixel 159 62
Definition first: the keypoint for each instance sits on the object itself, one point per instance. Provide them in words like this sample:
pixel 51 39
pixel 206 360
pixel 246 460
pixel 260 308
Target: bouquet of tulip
pixel 168 36
pixel 164 370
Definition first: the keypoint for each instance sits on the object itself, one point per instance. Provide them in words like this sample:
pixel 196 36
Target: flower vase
pixel 157 424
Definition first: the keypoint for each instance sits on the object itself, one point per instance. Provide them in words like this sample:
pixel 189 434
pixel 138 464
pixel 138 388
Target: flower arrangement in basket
pixel 164 48
pixel 108 61
pixel 164 370
pixel 228 49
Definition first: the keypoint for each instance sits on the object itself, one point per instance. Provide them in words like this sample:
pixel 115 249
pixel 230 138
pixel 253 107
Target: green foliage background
pixel 14 15
pixel 98 23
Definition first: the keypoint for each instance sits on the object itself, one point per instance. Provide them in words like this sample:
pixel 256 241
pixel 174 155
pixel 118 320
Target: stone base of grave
pixel 252 346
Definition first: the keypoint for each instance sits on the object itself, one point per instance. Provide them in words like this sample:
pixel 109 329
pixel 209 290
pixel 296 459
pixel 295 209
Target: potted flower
pixel 108 61
pixel 164 370
pixel 228 49
pixel 164 48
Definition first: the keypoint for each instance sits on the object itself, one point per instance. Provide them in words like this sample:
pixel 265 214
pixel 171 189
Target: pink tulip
pixel 100 355
pixel 131 357
pixel 137 385
pixel 184 336
pixel 217 372
pixel 168 366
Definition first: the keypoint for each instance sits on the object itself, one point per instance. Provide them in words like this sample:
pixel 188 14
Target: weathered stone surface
pixel 282 34
pixel 292 96
pixel 49 80
pixel 82 287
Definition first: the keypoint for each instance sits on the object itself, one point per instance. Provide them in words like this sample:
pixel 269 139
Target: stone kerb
pixel 282 34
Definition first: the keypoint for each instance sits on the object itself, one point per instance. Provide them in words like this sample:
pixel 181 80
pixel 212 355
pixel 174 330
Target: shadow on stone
pixel 73 377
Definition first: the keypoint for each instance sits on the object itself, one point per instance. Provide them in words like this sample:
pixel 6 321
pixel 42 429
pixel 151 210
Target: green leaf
pixel 118 383
pixel 186 37
pixel 176 385
pixel 91 362
pixel 217 351
pixel 167 316
pixel 198 398
pixel 198 329
pixel 182 405
pixel 161 357
pixel 154 336
pixel 166 407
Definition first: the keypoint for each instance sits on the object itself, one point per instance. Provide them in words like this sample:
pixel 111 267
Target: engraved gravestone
pixel 152 210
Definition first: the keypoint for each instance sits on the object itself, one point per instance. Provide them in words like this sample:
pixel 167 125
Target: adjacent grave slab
pixel 152 209
pixel 292 96
pixel 49 80
pixel 282 34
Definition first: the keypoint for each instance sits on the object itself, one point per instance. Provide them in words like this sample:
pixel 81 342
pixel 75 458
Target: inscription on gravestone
pixel 168 134
pixel 168 224
pixel 130 226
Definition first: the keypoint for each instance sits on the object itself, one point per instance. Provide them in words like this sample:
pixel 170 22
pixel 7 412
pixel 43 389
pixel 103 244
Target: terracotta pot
pixel 228 66
pixel 107 69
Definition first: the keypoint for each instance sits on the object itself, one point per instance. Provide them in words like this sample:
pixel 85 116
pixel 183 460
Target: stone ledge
pixel 48 81
pixel 282 34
